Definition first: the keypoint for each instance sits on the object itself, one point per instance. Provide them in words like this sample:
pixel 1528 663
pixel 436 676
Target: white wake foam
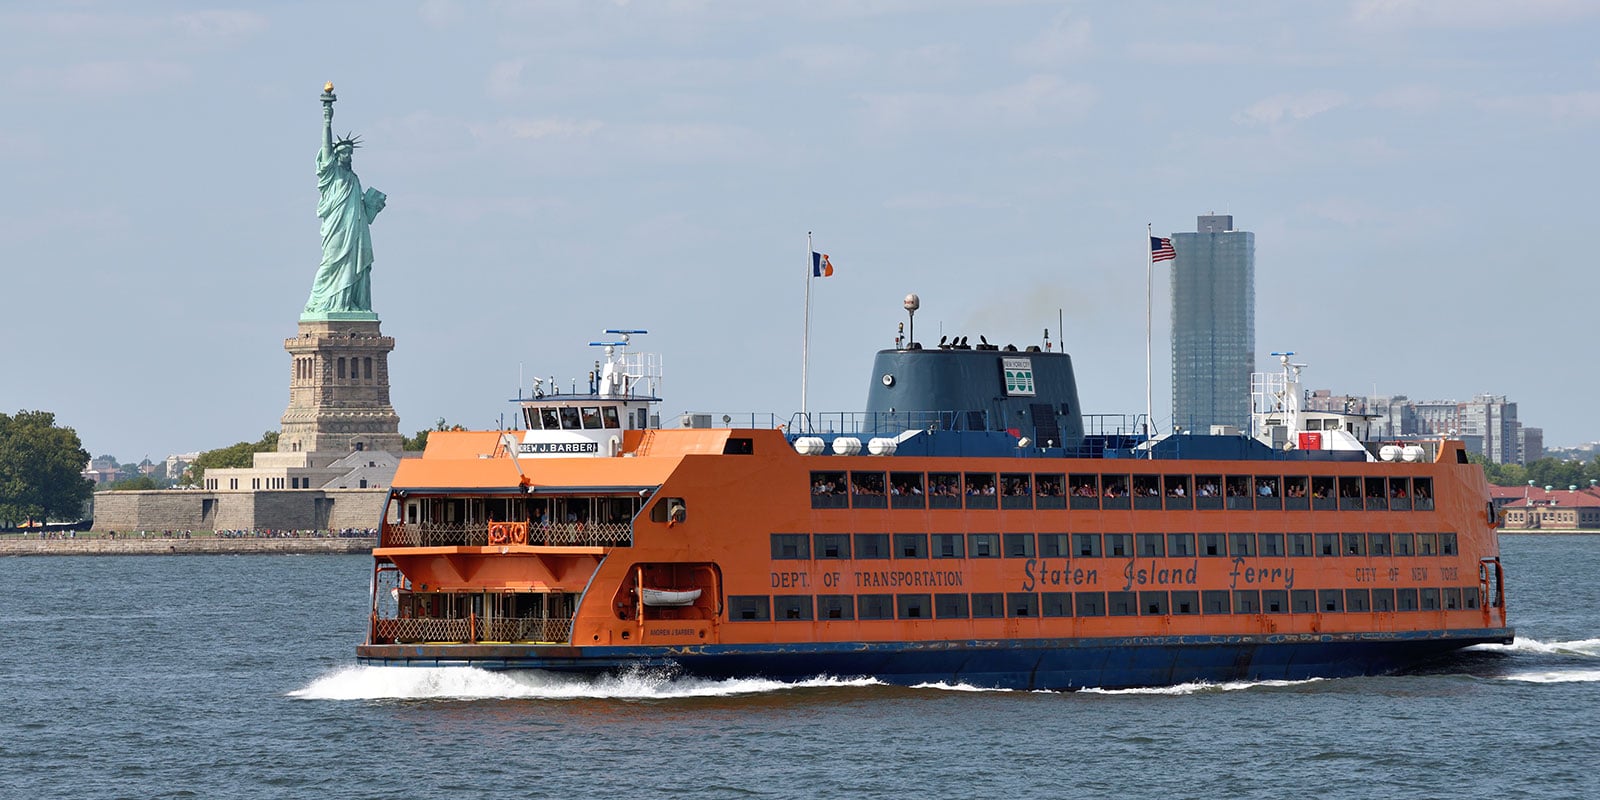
pixel 471 683
pixel 957 687
pixel 1579 647
pixel 1555 676
pixel 1202 686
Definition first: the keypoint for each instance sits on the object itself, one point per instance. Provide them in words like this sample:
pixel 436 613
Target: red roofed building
pixel 1531 508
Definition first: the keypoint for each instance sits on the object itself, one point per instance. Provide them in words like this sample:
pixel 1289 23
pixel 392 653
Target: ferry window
pixel 1055 545
pixel 1119 545
pixel 1180 545
pixel 1019 545
pixel 913 606
pixel 988 605
pixel 905 490
pixel 1153 604
pixel 791 545
pixel 911 545
pixel 792 606
pixel 530 419
pixel 1207 488
pixel 872 545
pixel 1356 600
pixel 1294 488
pixel 1215 601
pixel 1322 488
pixel 591 418
pixel 749 607
pixel 1427 544
pixel 1400 493
pixel 1186 602
pixel 1246 601
pixel 1327 544
pixel 875 606
pixel 1382 599
pixel 664 509
pixel 1048 485
pixel 1055 604
pixel 1086 545
pixel 1274 601
pixel 552 422
pixel 1469 597
pixel 1152 545
pixel 1147 486
pixel 1267 487
pixel 944 490
pixel 983 545
pixel 738 446
pixel 1085 487
pixel 979 484
pixel 833 545
pixel 1303 601
pixel 1378 544
pixel 836 606
pixel 1350 494
pixel 1405 599
pixel 866 490
pixel 1355 544
pixel 1271 544
pixel 1016 485
pixel 1447 544
pixel 1430 599
pixel 1330 601
pixel 1022 604
pixel 1090 604
pixel 950 606
pixel 1422 494
pixel 608 415
pixel 1238 491
pixel 1176 486
pixel 569 418
pixel 828 490
pixel 1242 544
pixel 1214 544
pixel 949 545
pixel 1122 604
pixel 1114 485
pixel 1405 544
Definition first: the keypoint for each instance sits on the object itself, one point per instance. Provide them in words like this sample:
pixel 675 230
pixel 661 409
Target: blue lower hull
pixel 1022 664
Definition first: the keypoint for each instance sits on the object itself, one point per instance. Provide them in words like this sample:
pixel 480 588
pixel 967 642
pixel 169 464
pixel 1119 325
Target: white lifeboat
pixel 663 597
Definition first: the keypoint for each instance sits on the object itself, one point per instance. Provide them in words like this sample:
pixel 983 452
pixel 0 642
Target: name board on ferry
pixel 1018 375
pixel 558 447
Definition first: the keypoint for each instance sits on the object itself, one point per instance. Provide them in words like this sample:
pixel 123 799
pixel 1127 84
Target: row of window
pixel 1096 604
pixel 803 546
pixel 359 368
pixel 984 490
pixel 571 418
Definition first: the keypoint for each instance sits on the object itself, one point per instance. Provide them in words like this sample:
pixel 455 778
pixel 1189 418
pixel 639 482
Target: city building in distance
pixel 1213 325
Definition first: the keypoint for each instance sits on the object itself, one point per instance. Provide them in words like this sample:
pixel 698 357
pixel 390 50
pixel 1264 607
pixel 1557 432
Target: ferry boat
pixel 971 526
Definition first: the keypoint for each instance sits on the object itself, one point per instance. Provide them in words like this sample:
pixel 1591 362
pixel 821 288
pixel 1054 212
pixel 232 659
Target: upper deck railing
pixel 459 534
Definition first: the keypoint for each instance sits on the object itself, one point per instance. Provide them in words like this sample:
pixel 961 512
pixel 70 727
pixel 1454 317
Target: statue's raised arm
pixel 343 288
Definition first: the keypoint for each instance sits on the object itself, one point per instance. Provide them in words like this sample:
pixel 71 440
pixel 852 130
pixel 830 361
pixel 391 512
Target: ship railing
pixel 553 534
pixel 888 423
pixel 410 630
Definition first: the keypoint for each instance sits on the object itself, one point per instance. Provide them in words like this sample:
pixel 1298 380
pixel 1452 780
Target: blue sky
pixel 1419 175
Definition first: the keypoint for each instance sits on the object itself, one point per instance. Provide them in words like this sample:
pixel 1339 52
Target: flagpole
pixel 805 339
pixel 1149 283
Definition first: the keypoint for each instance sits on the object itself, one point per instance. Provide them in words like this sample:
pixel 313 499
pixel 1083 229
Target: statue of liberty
pixel 343 288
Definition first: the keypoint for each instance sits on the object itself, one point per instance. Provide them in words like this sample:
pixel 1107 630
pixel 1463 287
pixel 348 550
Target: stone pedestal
pixel 339 390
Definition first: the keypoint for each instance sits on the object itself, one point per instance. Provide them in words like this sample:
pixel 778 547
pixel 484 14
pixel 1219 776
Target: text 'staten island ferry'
pixel 964 528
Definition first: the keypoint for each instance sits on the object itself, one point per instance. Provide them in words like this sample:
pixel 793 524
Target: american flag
pixel 1161 249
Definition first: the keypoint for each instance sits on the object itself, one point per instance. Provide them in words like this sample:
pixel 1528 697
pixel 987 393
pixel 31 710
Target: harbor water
pixel 234 677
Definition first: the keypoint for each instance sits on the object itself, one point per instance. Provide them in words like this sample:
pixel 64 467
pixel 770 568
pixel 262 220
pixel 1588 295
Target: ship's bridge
pixel 621 393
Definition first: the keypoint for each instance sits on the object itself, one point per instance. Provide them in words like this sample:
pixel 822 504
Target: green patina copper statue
pixel 343 289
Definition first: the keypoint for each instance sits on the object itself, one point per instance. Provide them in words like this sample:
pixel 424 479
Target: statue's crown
pixel 350 140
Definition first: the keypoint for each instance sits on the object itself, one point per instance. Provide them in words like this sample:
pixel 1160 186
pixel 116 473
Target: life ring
pixel 498 533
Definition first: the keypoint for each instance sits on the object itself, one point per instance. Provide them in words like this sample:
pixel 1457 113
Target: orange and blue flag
pixel 821 267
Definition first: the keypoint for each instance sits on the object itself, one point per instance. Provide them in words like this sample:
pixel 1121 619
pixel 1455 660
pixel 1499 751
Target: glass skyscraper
pixel 1213 325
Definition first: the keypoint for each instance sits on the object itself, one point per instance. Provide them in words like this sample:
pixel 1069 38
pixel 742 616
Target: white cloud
pixel 1063 40
pixel 1414 99
pixel 1036 99
pixel 1569 107
pixel 1292 107
pixel 212 26
pixel 1468 13
pixel 103 77
pixel 548 128
pixel 505 79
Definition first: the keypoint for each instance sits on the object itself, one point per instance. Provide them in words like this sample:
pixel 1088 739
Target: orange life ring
pixel 497 533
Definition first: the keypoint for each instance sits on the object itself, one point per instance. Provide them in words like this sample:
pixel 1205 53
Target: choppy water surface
pixel 222 677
